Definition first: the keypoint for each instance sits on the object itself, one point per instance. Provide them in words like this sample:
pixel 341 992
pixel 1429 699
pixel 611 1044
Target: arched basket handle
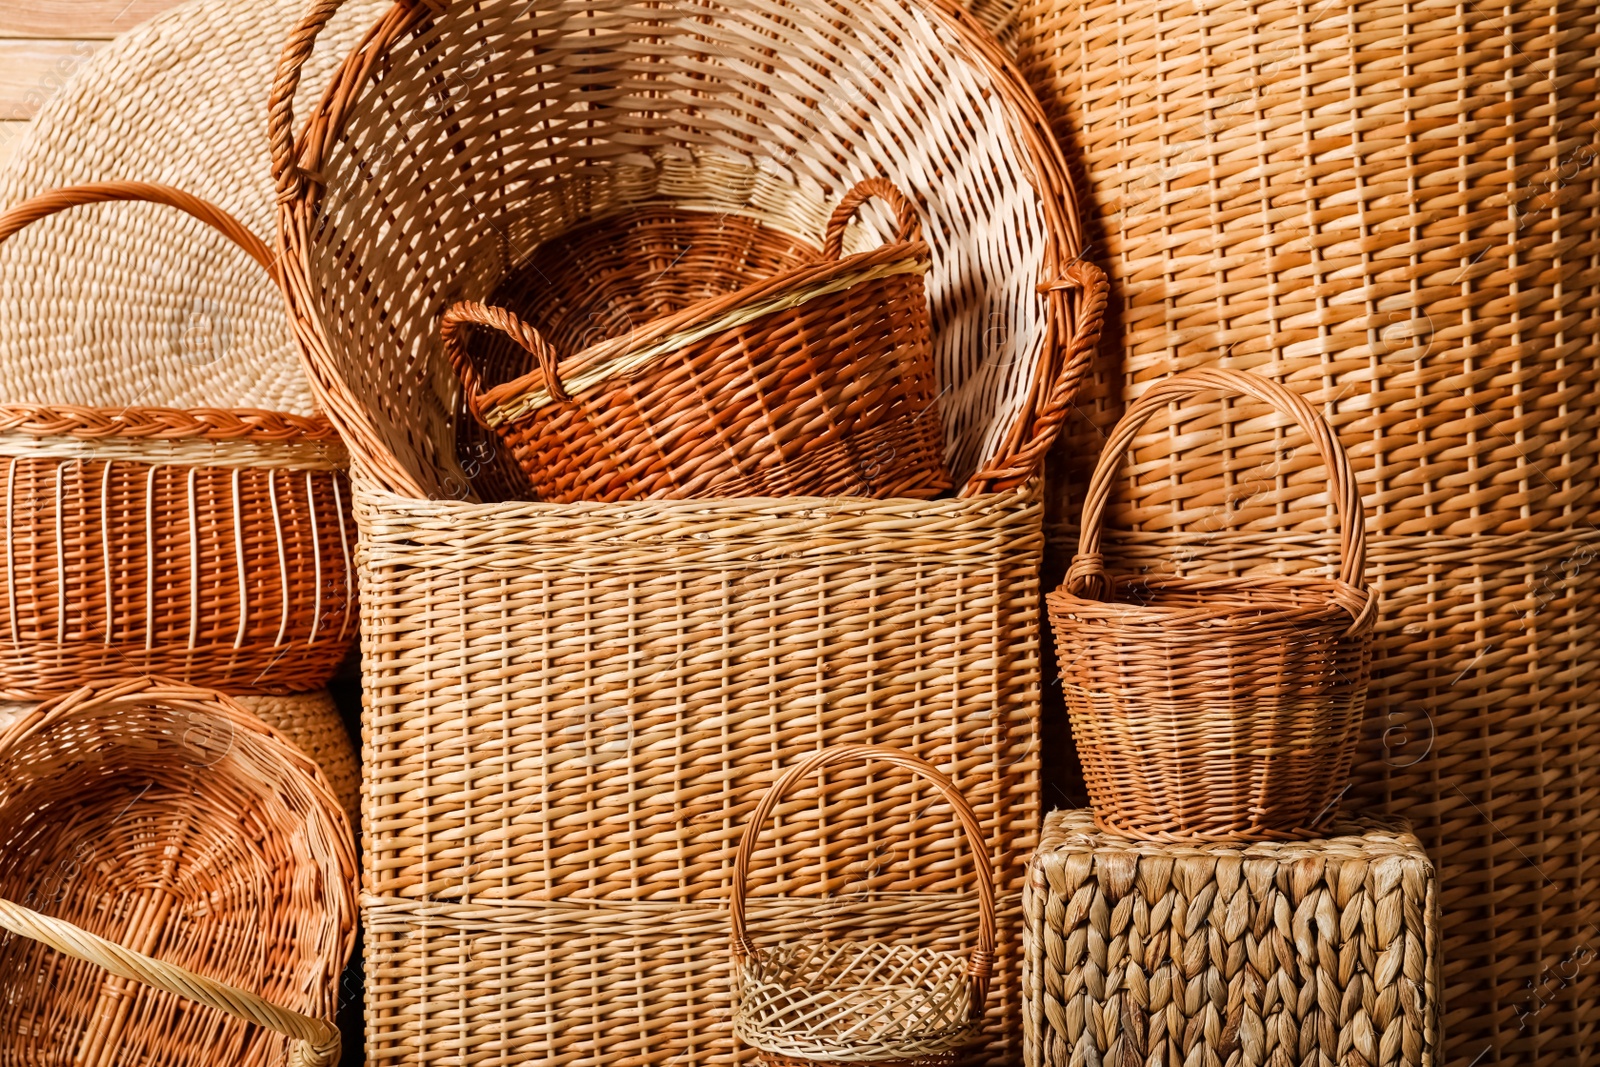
pixel 981 963
pixel 1087 575
pixel 452 329
pixel 58 200
pixel 908 224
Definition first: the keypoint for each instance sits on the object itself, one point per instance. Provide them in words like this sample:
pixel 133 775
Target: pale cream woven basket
pixel 178 100
pixel 1391 208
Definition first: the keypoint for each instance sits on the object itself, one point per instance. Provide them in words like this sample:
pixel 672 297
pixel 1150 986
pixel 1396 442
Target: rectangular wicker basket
pixel 1324 951
pixel 572 711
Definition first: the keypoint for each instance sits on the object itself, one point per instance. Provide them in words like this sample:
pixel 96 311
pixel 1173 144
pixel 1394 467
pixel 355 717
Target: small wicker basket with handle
pixel 208 545
pixel 814 1001
pixel 1221 707
pixel 815 381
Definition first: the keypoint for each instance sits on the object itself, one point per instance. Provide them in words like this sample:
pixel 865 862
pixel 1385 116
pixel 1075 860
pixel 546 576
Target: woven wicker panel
pixel 312 723
pixel 572 711
pixel 1312 953
pixel 178 100
pixel 1393 209
pixel 431 184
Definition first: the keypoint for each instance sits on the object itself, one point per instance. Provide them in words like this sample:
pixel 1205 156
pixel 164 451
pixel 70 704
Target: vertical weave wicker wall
pixel 1394 208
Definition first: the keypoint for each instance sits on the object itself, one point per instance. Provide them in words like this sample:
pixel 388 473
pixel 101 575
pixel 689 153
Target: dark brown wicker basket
pixel 814 380
pixel 1220 708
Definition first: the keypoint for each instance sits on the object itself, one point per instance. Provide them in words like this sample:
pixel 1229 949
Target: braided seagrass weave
pixel 810 1000
pixel 161 833
pixel 212 546
pixel 1220 708
pixel 1321 953
pixel 814 381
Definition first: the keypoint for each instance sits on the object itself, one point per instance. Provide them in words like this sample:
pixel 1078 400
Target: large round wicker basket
pixel 1390 208
pixel 161 833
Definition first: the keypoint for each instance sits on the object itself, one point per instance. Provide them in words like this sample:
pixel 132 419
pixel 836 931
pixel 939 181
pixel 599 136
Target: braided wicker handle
pixel 452 329
pixel 981 964
pixel 316 1043
pixel 1087 576
pixel 57 200
pixel 1022 453
pixel 908 224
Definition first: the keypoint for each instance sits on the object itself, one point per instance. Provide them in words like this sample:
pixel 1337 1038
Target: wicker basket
pixel 814 381
pixel 1223 709
pixel 1388 208
pixel 153 819
pixel 815 1000
pixel 312 723
pixel 399 202
pixel 207 545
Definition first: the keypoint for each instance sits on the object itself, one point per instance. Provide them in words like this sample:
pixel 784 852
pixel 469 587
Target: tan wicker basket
pixel 814 381
pixel 377 240
pixel 172 840
pixel 571 711
pixel 1223 709
pixel 206 545
pixel 810 1000
pixel 1388 208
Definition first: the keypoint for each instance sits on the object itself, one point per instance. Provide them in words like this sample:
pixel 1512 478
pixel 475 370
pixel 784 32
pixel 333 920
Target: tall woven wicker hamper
pixel 1391 208
pixel 1317 953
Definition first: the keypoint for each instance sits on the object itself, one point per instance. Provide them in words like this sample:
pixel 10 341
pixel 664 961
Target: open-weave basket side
pixel 865 1001
pixel 129 304
pixel 890 88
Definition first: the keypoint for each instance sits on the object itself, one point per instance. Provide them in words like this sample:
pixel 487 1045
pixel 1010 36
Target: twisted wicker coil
pixel 376 247
pixel 161 833
pixel 814 381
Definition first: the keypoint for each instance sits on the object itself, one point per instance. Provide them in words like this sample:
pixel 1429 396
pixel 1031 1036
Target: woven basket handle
pixel 57 200
pixel 315 1042
pixel 981 964
pixel 908 224
pixel 452 327
pixel 1022 453
pixel 1087 576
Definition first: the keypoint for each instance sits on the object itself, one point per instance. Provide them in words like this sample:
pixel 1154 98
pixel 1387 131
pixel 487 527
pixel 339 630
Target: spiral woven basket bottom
pixel 858 1002
pixel 180 831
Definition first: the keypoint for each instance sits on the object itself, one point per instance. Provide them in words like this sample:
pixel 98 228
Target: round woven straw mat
pixel 915 92
pixel 133 304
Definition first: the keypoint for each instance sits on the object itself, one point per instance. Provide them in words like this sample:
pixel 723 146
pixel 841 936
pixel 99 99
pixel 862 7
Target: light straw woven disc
pixel 132 304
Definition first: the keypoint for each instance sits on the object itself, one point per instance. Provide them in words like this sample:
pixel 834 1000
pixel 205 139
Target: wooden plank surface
pixel 78 19
pixel 32 71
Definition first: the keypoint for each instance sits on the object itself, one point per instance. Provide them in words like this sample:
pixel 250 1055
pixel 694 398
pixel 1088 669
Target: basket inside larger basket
pixel 431 187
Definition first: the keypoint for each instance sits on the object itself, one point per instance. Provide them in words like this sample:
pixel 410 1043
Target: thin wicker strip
pixel 571 711
pixel 1222 708
pixel 399 201
pixel 211 546
pixel 1390 208
pixel 177 100
pixel 1318 952
pixel 312 723
pixel 735 395
pixel 173 840
pixel 813 999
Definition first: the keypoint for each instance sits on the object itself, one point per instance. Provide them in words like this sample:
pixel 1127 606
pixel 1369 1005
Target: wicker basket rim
pixel 1340 602
pixel 160 423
